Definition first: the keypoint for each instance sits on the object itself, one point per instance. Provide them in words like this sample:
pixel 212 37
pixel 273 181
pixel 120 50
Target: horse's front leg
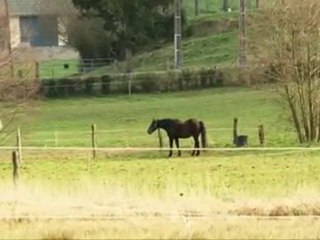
pixel 195 145
pixel 171 145
pixel 177 144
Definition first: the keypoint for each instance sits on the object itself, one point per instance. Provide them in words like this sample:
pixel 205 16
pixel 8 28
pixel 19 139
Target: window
pixel 39 31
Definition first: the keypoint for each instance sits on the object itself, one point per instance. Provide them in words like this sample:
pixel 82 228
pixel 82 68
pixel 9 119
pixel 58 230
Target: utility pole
pixel 242 36
pixel 196 7
pixel 242 44
pixel 225 6
pixel 177 34
pixel 8 35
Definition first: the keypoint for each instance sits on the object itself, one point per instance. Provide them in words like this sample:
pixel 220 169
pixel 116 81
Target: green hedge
pixel 139 83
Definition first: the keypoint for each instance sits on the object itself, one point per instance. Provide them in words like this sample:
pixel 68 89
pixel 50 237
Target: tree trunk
pixel 294 115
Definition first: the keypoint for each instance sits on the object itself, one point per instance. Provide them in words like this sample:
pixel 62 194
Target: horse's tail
pixel 203 132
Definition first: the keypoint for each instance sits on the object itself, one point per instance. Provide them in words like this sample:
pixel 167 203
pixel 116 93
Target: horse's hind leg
pixel 195 146
pixel 177 144
pixel 198 146
pixel 171 145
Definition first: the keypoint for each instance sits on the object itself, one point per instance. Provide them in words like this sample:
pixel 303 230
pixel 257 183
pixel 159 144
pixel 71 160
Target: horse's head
pixel 153 126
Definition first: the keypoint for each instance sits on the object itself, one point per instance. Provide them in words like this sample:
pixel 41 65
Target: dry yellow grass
pixel 33 212
pixel 162 228
pixel 90 200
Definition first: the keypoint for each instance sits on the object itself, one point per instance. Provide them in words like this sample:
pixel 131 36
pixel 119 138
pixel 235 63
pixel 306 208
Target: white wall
pixel 62 37
pixel 15 32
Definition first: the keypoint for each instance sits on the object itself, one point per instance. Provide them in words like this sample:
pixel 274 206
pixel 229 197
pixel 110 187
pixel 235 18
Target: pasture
pixel 122 121
pixel 68 195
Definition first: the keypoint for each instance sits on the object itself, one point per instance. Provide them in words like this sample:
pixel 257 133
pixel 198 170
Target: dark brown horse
pixel 178 129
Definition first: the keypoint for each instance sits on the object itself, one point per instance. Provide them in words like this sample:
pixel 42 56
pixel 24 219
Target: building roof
pixel 24 7
pixel 37 7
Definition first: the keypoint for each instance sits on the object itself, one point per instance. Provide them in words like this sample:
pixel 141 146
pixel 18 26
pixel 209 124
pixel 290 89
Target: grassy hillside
pixel 206 51
pixel 213 42
pixel 213 6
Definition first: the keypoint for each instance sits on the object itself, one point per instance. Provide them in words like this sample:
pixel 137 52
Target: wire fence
pixel 133 140
pixel 146 149
pixel 55 69
pixel 216 6
pixel 120 137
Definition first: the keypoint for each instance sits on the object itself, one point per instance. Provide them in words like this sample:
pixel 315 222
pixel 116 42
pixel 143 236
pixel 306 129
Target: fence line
pixel 142 130
pixel 146 149
pixel 37 133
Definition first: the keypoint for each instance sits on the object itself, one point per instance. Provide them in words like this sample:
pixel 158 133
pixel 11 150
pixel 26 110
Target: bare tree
pixel 286 37
pixel 16 87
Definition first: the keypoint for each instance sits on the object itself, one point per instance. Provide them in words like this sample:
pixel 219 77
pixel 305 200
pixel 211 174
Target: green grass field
pixel 67 123
pixel 219 176
pixel 53 69
pixel 69 120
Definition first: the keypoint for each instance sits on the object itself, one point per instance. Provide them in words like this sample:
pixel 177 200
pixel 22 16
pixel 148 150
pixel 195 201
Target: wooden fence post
pixel 15 165
pixel 93 139
pixel 19 145
pixel 128 53
pixel 261 135
pixel 235 130
pixel 37 70
pixel 160 139
pixel 129 76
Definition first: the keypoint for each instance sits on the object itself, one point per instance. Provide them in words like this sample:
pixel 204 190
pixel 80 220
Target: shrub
pixel 119 84
pixel 203 77
pixel 168 81
pixel 49 87
pixel 89 85
pixel 144 83
pixel 63 87
pixel 105 84
pixel 187 78
pixel 149 82
pixel 219 78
